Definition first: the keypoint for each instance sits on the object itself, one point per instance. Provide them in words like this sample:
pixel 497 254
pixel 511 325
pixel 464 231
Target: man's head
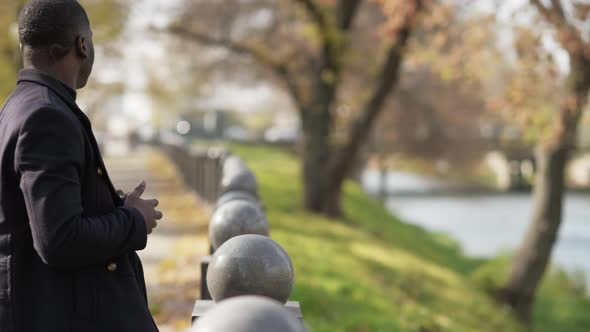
pixel 55 35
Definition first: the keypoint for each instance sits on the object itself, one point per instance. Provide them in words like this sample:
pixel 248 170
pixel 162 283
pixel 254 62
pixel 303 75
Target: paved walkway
pixel 172 255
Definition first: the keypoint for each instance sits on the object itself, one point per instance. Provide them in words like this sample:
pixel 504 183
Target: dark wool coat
pixel 67 245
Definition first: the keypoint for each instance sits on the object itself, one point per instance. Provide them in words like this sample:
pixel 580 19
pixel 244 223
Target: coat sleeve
pixel 50 158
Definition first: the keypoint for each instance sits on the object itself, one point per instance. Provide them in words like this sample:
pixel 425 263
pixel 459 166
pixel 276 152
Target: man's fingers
pixel 158 215
pixel 120 192
pixel 153 202
pixel 139 190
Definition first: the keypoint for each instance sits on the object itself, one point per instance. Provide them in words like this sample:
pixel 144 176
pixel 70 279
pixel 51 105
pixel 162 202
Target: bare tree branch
pixel 558 8
pixel 347 10
pixel 292 87
pixel 574 42
pixel 315 13
pixel 326 66
pixel 328 50
pixel 541 8
pixel 235 47
pixel 259 54
pixel 328 63
pixel 555 14
pixel 389 76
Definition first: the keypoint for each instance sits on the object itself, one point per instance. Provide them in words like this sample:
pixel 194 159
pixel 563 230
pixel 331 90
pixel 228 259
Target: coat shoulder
pixel 36 102
pixel 28 97
pixel 33 106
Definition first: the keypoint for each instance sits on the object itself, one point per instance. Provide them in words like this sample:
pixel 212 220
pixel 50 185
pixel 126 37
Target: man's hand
pixel 147 207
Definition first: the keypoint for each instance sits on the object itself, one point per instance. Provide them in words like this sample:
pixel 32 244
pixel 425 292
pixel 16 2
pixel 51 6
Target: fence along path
pixel 172 254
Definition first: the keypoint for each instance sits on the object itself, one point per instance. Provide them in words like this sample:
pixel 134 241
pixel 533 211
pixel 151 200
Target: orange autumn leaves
pixel 400 14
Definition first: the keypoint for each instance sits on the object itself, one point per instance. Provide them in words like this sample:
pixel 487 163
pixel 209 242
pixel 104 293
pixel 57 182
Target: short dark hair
pixel 46 23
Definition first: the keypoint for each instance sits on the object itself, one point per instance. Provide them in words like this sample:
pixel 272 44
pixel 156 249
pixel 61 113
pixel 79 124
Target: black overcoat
pixel 67 245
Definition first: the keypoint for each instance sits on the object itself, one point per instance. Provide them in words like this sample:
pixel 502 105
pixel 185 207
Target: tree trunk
pixel 322 199
pixel 321 194
pixel 338 166
pixel 533 257
pixel 325 166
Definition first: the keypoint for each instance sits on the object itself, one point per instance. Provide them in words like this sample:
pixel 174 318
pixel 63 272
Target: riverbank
pixel 371 272
pixel 489 225
pixel 409 184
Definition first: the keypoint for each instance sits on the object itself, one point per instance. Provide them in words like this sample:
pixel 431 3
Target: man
pixel 67 239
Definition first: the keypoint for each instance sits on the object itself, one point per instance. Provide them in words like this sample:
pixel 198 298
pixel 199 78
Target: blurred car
pixel 237 134
pixel 281 135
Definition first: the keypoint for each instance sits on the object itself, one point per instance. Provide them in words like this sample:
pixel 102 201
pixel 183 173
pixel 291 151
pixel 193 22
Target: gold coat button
pixel 112 267
pixel 99 172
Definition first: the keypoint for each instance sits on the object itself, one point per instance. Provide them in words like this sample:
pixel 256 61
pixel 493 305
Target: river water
pixel 487 224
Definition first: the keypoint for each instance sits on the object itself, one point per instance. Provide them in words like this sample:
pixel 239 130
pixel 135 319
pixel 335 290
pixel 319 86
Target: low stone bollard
pixel 233 164
pixel 237 211
pixel 201 167
pixel 250 265
pixel 245 262
pixel 235 218
pixel 237 177
pixel 236 195
pixel 249 314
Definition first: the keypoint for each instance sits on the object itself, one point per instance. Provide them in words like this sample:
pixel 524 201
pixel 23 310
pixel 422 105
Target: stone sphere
pixel 233 163
pixel 235 218
pixel 239 180
pixel 236 195
pixel 250 265
pixel 248 314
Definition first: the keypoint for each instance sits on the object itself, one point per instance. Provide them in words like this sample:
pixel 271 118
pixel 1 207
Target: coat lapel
pixel 34 76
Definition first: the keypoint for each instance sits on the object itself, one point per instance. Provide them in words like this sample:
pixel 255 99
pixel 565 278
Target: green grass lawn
pixel 371 272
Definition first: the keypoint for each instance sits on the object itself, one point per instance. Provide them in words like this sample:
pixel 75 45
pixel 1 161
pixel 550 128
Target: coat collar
pixel 65 93
pixel 39 77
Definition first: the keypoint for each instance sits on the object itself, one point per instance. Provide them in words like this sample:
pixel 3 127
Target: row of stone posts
pixel 247 280
pixel 199 166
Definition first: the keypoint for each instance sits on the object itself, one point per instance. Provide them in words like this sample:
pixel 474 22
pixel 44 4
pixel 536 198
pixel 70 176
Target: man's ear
pixel 20 46
pixel 82 46
pixel 57 52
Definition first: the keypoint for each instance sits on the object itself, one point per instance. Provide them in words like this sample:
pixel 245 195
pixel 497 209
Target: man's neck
pixel 55 72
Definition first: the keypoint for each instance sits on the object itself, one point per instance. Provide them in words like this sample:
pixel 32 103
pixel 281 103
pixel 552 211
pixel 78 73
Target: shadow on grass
pixel 369 214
